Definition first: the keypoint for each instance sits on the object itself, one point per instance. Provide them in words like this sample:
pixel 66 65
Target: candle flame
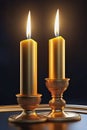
pixel 28 29
pixel 56 25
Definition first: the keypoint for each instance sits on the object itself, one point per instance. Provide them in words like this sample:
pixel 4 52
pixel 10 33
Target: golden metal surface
pixel 57 104
pixel 28 115
pixel 45 107
pixel 63 116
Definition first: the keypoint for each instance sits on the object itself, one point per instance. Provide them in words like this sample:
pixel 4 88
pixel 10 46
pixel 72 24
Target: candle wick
pixel 57 35
pixel 28 37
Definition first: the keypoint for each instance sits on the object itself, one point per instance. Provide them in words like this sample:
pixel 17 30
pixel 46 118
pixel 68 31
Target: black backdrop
pixel 73 27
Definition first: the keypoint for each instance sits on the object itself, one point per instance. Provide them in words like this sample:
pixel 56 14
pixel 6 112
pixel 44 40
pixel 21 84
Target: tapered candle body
pixel 28 67
pixel 57 58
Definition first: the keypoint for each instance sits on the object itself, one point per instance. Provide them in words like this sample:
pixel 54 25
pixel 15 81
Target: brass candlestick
pixel 28 103
pixel 57 104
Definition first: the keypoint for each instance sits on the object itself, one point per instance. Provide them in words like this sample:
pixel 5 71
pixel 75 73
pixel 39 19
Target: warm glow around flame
pixel 28 29
pixel 56 25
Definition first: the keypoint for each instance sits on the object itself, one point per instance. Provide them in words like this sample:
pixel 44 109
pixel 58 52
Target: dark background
pixel 73 27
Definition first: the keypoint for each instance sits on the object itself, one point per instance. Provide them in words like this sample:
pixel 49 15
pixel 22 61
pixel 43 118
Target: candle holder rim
pixel 26 96
pixel 55 79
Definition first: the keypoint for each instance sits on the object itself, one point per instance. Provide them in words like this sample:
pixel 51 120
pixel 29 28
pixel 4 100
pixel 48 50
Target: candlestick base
pixel 57 104
pixel 28 103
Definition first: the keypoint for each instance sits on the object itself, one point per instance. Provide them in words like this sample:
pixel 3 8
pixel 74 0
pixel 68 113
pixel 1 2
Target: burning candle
pixel 28 63
pixel 57 53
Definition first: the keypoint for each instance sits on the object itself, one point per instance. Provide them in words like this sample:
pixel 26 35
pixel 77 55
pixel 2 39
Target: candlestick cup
pixel 57 104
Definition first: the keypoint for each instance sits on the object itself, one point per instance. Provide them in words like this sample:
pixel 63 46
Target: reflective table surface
pixel 6 111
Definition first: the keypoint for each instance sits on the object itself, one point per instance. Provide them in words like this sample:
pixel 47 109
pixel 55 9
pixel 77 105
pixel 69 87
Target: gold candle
pixel 57 53
pixel 28 63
